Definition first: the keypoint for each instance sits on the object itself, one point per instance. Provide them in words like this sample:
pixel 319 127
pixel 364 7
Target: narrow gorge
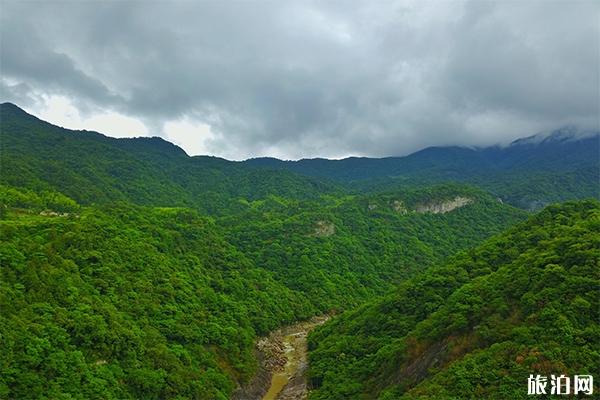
pixel 283 364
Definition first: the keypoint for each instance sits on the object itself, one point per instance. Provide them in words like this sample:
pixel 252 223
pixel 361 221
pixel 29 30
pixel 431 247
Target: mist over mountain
pixel 299 200
pixel 528 173
pixel 537 152
pixel 305 79
pixel 132 270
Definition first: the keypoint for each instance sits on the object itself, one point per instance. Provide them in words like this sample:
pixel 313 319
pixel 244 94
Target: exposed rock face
pixel 398 206
pixel 282 352
pixel 418 369
pixel 443 206
pixel 49 213
pixel 271 357
pixel 434 355
pixel 273 350
pixel 324 229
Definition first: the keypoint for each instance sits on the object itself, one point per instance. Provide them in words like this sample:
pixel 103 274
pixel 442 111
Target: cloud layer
pixel 305 79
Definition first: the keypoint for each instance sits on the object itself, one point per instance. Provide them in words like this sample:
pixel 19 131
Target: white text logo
pixel 582 384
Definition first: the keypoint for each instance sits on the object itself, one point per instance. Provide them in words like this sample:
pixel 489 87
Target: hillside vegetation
pixel 91 169
pixel 123 301
pixel 130 270
pixel 523 302
pixel 529 173
pixel 94 169
pixel 130 302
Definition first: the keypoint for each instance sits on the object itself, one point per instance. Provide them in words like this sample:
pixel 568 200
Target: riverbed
pixel 290 381
pixel 283 361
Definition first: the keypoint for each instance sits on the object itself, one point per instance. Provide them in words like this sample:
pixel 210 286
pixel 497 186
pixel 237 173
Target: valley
pixel 299 200
pixel 131 270
pixel 285 353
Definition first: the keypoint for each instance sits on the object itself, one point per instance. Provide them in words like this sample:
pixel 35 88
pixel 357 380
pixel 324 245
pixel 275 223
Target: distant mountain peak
pixel 565 134
pixel 9 104
pixel 13 108
pixel 12 111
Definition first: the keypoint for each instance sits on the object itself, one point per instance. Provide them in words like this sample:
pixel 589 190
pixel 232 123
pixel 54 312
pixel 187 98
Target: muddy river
pixel 284 362
pixel 290 382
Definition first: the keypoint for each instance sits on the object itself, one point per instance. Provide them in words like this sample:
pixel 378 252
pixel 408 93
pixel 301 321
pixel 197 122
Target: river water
pixel 290 382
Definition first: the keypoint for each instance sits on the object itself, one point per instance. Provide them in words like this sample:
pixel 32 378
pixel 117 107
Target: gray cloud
pixel 304 79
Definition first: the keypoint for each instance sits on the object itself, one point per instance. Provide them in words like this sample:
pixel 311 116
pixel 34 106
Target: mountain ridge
pixel 558 168
pixel 477 325
pixel 141 272
pixel 565 133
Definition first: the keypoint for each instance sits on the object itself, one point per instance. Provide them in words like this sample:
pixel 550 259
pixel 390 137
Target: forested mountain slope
pixel 130 270
pixel 524 302
pixel 94 169
pixel 139 302
pixel 341 250
pixel 529 173
pixel 129 302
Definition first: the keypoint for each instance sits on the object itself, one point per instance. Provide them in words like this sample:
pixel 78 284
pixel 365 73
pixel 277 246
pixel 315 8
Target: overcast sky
pixel 305 79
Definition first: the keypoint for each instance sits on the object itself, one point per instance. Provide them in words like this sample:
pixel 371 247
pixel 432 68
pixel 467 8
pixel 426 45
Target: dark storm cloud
pixel 313 78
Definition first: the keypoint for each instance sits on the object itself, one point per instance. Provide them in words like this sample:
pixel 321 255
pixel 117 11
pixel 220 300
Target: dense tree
pixel 525 302
pixel 123 301
pixel 130 270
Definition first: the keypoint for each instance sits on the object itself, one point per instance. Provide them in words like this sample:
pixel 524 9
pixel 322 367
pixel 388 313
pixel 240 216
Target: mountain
pixel 130 302
pixel 94 169
pixel 342 250
pixel 130 270
pixel 524 302
pixel 529 173
pixel 564 149
pixel 121 301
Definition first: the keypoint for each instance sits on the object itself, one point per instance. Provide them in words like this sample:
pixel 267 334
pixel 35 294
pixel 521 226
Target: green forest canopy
pixel 130 270
pixel 524 302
